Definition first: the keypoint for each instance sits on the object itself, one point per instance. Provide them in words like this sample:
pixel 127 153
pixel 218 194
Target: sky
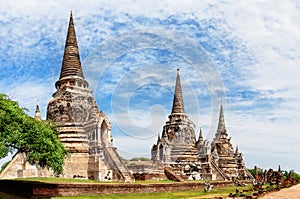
pixel 243 53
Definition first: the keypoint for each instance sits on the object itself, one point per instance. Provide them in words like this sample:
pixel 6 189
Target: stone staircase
pixel 119 164
pixel 218 170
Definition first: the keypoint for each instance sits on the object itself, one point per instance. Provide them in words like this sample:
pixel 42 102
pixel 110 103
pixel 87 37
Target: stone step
pixel 120 165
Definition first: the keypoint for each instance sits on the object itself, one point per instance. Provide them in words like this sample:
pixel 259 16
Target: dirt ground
pixel 288 193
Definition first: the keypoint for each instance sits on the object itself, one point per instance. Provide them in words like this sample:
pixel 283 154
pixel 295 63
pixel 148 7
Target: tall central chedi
pixel 73 107
pixel 84 131
pixel 177 144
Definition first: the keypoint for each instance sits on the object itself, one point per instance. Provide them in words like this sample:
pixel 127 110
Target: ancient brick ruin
pixel 198 159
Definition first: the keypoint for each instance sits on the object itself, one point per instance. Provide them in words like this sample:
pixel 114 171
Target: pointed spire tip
pixel 221 125
pixel 178 106
pixel 71 65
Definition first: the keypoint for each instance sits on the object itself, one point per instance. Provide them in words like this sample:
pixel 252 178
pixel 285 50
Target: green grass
pixel 153 181
pixel 71 180
pixel 61 180
pixel 199 194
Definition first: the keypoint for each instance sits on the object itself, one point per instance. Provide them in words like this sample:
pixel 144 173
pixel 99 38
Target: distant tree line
pixel 284 172
pixel 139 159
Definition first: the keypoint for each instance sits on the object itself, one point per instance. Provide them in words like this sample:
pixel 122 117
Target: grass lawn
pixel 61 180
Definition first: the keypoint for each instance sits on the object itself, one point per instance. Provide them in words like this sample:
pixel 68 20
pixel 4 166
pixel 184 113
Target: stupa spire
pixel 221 125
pixel 71 65
pixel 200 139
pixel 178 106
pixel 37 114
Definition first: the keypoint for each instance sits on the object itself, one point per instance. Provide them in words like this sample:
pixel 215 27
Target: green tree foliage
pixel 259 172
pixel 4 166
pixel 296 176
pixel 37 140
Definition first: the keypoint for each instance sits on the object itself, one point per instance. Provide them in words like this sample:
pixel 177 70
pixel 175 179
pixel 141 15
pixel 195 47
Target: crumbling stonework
pixel 178 148
pixel 177 144
pixel 146 170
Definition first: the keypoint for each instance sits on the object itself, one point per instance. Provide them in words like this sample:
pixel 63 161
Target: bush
pixel 259 172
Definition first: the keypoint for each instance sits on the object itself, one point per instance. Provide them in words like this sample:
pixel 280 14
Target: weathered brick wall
pixel 36 189
pixel 149 176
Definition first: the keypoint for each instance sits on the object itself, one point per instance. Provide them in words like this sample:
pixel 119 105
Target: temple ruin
pixel 86 133
pixel 178 148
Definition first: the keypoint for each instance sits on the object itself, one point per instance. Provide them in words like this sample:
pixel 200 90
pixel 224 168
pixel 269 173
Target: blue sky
pixel 245 53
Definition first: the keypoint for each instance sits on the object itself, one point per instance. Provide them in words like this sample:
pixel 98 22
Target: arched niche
pixel 104 133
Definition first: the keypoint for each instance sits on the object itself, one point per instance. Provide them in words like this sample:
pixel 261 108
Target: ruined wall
pixel 36 189
pixel 146 170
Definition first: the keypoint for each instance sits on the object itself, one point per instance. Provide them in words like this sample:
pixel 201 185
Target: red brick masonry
pixel 39 189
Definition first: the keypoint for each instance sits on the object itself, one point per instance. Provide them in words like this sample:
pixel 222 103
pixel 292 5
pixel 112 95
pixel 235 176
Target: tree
pixel 139 159
pixel 37 140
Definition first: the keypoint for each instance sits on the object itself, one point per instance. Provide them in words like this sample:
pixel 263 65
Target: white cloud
pixel 139 123
pixel 28 94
